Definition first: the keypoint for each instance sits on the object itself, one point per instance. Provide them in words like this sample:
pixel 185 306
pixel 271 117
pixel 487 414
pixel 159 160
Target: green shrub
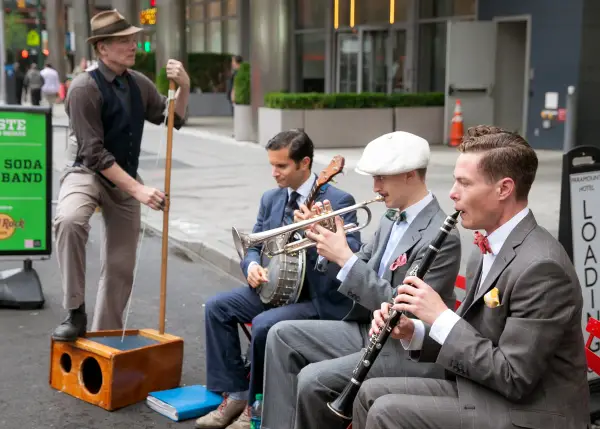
pixel 241 85
pixel 162 83
pixel 313 100
pixel 208 71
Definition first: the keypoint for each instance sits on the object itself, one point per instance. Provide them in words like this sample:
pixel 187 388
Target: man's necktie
pixel 483 243
pixel 292 204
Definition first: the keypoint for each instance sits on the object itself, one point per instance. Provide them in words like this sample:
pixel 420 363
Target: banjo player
pixel 290 154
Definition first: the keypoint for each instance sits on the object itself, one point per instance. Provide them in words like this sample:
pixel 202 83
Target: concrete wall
pixel 554 58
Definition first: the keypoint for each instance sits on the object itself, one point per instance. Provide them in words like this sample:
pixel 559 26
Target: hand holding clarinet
pixel 415 297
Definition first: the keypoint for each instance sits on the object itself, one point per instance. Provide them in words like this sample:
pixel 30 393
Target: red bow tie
pixel 483 243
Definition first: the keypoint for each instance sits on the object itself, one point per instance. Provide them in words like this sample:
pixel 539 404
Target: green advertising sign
pixel 25 180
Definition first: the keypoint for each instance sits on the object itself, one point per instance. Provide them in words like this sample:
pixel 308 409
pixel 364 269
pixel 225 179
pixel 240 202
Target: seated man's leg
pixel 290 347
pixel 407 403
pixel 225 370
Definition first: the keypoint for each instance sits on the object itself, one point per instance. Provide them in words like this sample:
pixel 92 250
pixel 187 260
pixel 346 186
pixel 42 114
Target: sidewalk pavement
pixel 217 182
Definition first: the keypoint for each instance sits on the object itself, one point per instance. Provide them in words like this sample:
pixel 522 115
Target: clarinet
pixel 342 406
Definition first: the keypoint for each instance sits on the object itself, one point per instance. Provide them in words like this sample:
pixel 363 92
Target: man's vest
pixel 122 130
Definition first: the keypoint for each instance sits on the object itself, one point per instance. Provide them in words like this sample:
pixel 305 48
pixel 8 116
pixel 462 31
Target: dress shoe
pixel 75 325
pixel 222 416
pixel 243 421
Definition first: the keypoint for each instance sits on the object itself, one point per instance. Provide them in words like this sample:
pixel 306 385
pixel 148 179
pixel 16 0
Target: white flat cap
pixel 394 153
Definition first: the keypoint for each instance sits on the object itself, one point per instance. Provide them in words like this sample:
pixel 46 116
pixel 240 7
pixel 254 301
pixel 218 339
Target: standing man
pixel 513 351
pixel 51 85
pixel 308 363
pixel 34 82
pixel 236 61
pixel 291 156
pixel 107 107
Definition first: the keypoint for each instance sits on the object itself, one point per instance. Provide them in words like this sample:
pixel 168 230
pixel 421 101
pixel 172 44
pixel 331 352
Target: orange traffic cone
pixel 456 127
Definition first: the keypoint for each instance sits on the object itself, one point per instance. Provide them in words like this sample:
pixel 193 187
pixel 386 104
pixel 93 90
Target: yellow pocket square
pixel 492 298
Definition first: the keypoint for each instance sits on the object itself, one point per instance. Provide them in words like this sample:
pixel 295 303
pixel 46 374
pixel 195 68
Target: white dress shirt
pixel 398 230
pixel 445 322
pixel 51 81
pixel 303 190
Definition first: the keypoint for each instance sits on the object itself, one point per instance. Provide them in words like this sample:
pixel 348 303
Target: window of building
pixel 215 39
pixel 310 62
pixel 232 37
pixel 310 13
pixel 231 7
pixel 195 37
pixel 446 8
pixel 214 9
pixel 432 57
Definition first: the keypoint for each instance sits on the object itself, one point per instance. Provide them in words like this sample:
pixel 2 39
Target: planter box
pixel 243 129
pixel 426 122
pixel 333 128
pixel 209 104
pixel 274 121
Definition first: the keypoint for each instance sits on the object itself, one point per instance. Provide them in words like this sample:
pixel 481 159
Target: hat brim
pixel 127 32
pixel 364 173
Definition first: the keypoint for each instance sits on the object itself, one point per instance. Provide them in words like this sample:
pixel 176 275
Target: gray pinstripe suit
pixel 519 365
pixel 308 363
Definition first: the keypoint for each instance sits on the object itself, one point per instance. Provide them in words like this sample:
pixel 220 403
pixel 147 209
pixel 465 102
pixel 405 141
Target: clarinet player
pixel 513 352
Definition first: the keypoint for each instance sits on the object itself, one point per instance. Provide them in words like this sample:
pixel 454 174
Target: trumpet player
pixel 290 154
pixel 308 363
pixel 513 351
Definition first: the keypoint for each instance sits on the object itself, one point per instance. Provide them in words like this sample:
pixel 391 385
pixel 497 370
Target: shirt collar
pixel 415 209
pixel 108 74
pixel 305 188
pixel 499 236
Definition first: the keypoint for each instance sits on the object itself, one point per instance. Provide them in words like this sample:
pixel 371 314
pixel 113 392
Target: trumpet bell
pixel 239 241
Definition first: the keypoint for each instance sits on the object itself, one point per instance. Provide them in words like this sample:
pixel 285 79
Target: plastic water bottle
pixel 256 412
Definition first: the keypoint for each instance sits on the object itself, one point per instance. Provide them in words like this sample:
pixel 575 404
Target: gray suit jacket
pixel 368 291
pixel 521 364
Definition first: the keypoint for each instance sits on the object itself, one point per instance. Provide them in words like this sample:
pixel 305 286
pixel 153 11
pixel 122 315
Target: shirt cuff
pixel 443 325
pixel 341 276
pixel 252 263
pixel 416 342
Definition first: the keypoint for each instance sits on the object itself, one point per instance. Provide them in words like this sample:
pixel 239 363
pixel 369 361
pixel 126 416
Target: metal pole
pixel 570 120
pixel 2 56
pixel 38 20
pixel 89 31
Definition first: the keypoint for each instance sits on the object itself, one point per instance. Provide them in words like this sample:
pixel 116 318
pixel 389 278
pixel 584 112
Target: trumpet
pixel 243 241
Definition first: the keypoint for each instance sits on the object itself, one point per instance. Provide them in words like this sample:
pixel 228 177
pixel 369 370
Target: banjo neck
pixel 335 167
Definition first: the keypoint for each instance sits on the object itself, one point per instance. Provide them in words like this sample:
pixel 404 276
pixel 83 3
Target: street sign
pixel 579 228
pixel 25 181
pixel 33 38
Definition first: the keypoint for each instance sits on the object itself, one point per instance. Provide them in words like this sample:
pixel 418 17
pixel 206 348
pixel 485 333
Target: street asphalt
pixel 26 399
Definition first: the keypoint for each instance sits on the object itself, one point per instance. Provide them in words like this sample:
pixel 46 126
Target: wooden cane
pixel 167 190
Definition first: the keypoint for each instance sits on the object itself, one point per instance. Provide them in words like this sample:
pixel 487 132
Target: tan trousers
pixel 80 193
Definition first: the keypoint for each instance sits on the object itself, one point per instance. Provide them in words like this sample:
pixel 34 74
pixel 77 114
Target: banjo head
pixel 286 277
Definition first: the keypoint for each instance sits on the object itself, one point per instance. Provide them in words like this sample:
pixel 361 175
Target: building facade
pixel 509 62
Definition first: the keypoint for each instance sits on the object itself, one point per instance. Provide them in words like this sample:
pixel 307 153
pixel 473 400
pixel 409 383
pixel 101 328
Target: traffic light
pixel 24 54
pixel 152 3
pixel 147 46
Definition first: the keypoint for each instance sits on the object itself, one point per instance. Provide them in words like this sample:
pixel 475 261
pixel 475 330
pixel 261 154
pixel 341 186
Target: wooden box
pixel 110 373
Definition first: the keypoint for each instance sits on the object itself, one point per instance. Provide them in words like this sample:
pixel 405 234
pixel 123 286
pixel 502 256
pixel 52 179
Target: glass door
pixel 398 77
pixel 374 64
pixel 371 60
pixel 348 49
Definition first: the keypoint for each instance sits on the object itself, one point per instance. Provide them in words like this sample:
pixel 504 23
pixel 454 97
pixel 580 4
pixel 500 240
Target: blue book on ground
pixel 182 403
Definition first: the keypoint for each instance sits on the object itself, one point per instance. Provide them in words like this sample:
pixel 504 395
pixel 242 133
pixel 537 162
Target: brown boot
pixel 222 416
pixel 243 421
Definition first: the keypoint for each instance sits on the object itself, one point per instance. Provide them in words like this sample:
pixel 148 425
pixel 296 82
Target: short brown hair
pixel 505 154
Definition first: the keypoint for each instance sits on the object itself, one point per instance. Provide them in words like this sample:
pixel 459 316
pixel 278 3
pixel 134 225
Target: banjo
pixel 285 272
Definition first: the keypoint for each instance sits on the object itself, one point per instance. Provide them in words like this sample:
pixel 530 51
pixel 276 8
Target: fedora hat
pixel 110 23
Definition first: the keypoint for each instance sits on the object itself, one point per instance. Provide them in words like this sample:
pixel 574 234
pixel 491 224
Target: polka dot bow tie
pixel 482 242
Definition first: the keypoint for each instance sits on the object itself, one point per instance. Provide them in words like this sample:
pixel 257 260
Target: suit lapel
pixel 507 253
pixel 384 236
pixel 279 202
pixel 474 267
pixel 412 235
